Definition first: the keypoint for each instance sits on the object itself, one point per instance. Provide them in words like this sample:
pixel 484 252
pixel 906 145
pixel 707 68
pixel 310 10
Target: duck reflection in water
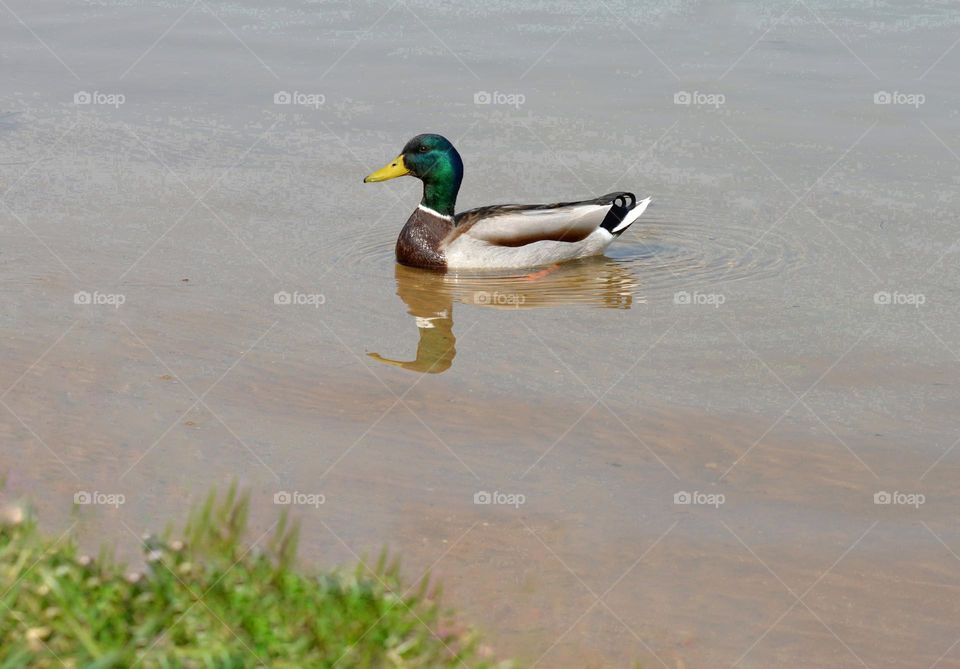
pixel 430 301
pixel 430 295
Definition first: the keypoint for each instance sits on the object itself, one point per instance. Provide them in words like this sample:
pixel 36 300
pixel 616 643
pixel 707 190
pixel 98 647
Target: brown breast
pixel 419 242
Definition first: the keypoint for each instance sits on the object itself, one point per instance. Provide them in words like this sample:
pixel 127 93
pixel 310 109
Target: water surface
pixel 779 329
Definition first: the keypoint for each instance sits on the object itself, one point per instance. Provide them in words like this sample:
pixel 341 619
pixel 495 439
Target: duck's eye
pixel 424 149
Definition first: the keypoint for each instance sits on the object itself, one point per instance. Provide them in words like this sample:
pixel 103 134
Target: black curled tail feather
pixel 622 203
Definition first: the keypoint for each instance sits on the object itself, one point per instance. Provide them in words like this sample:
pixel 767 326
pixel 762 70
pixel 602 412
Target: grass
pixel 210 601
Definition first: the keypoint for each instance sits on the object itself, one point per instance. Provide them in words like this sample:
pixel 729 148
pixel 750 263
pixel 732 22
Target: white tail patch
pixel 632 216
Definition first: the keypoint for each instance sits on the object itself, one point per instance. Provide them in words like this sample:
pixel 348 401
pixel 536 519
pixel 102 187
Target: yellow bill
pixel 395 168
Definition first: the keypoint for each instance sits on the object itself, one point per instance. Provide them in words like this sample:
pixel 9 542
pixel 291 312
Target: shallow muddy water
pixel 731 441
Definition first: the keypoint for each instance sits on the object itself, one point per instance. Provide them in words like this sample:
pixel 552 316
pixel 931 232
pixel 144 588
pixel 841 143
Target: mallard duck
pixel 501 236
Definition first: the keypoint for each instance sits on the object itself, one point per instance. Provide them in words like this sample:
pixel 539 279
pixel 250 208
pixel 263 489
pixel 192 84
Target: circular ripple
pixel 671 255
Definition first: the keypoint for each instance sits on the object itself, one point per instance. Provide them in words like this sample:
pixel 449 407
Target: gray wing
pixel 518 225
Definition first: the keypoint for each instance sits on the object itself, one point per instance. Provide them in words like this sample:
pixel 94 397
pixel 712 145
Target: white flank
pixel 467 252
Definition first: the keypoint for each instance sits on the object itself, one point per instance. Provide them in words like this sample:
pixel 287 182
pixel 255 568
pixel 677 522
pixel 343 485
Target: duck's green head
pixel 433 160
